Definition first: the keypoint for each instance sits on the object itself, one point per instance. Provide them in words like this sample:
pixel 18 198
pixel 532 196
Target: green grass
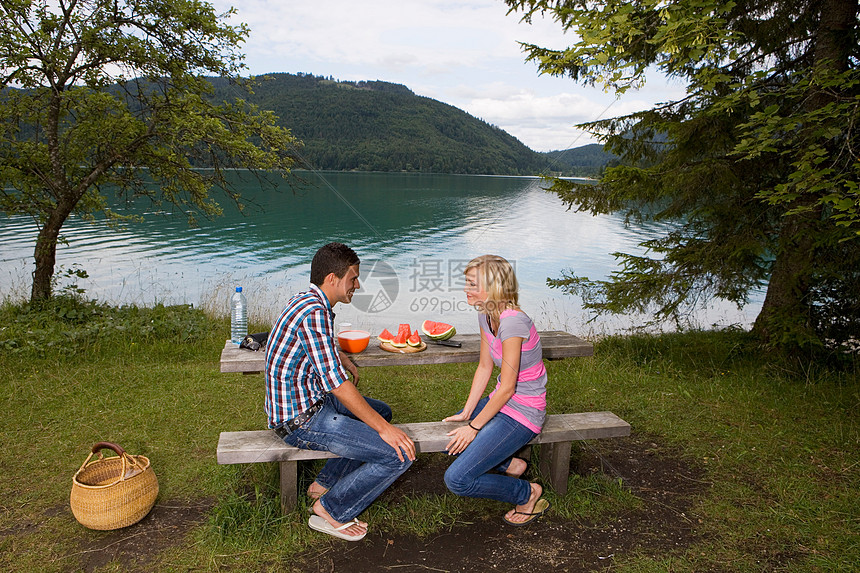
pixel 777 438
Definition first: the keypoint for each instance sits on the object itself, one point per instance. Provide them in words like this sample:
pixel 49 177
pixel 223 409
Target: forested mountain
pixel 583 161
pixel 380 126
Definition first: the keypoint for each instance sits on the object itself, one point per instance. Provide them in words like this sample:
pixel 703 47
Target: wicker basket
pixel 113 492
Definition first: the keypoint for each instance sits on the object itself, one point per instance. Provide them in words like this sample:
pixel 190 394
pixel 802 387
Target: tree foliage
pixel 758 163
pixel 112 94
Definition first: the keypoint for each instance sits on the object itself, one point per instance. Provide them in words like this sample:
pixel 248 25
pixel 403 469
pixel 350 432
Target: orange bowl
pixel 353 341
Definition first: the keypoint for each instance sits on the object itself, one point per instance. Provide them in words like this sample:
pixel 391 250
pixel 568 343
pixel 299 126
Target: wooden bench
pixel 559 431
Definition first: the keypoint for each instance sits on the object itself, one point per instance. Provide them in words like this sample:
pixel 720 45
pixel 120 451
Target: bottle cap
pixel 238 289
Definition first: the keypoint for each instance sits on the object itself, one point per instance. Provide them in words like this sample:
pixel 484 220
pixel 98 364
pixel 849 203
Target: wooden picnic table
pixel 556 344
pixel 559 431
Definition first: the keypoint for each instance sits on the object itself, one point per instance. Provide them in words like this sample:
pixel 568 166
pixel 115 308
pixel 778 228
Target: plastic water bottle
pixel 238 316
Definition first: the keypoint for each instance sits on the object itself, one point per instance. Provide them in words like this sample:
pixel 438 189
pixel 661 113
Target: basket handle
pixel 96 449
pixel 110 446
pixel 130 465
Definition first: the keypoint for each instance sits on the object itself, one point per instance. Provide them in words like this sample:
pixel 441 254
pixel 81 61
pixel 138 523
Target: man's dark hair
pixel 333 258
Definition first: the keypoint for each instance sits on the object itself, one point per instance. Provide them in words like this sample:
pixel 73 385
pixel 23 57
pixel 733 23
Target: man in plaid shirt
pixel 312 404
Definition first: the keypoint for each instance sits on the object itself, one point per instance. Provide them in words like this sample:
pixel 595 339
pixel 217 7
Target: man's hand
pixel 350 367
pixel 397 439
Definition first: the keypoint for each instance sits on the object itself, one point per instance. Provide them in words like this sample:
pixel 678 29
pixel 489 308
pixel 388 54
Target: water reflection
pixel 423 226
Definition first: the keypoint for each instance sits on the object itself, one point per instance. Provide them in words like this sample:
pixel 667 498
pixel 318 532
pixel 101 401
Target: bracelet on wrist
pixel 474 428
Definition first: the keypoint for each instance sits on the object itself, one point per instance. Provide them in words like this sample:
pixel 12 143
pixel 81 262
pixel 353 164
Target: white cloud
pixel 547 122
pixel 464 53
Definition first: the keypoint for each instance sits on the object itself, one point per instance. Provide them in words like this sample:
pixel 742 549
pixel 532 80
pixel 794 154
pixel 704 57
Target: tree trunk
pixel 45 254
pixel 784 317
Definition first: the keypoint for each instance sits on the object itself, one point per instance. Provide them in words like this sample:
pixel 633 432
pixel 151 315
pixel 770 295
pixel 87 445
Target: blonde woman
pixel 513 414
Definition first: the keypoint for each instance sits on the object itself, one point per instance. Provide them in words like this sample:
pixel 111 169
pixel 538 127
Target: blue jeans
pixel 473 473
pixel 367 464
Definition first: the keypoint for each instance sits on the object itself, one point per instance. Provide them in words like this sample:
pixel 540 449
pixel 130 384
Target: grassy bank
pixel 777 440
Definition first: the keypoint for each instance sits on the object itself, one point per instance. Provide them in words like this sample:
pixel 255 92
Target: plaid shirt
pixel 302 360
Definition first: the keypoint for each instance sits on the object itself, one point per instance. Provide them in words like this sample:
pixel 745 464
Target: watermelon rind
pixel 446 335
pixel 437 330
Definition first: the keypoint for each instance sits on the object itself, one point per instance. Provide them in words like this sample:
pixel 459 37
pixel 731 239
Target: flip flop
pixel 317 523
pixel 540 508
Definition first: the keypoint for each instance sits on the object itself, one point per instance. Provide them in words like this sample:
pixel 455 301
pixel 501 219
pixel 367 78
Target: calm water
pixel 413 232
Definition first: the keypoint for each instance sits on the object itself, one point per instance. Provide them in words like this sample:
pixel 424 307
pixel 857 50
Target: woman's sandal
pixel 539 509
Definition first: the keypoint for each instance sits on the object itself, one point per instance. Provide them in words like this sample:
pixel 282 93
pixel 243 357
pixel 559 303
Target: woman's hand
pixel 459 417
pixel 460 439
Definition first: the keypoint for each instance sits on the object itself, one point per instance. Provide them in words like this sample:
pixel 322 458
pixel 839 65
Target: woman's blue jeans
pixel 473 473
pixel 367 464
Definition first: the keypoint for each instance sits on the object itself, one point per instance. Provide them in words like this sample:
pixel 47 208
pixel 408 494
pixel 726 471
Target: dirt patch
pixel 659 476
pixel 135 547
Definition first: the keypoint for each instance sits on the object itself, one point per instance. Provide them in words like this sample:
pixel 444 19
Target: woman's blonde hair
pixel 497 278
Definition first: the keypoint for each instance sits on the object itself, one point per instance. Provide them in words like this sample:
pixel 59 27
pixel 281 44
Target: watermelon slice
pixel 414 340
pixel 385 336
pixel 404 329
pixel 437 330
pixel 400 340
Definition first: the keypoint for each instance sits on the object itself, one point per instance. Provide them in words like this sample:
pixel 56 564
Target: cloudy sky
pixel 464 53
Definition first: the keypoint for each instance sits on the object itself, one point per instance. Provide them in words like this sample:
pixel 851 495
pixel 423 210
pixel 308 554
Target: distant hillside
pixel 380 126
pixel 583 161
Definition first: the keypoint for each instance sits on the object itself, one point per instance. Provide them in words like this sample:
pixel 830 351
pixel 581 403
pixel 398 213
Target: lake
pixel 413 232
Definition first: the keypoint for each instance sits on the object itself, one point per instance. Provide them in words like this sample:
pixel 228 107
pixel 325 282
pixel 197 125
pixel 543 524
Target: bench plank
pixel 264 446
pixel 556 344
pixel 558 432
